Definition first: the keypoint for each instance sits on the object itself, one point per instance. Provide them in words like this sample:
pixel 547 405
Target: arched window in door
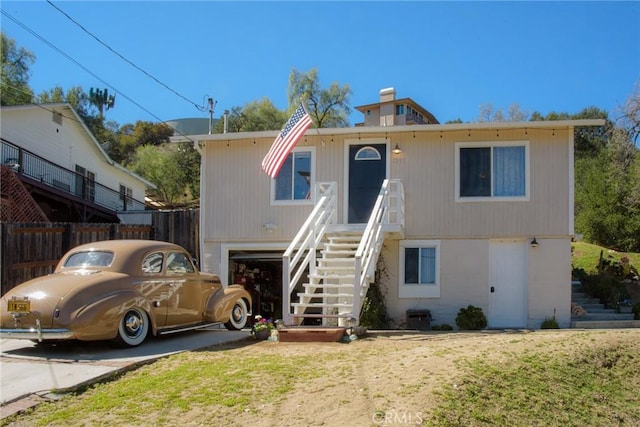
pixel 367 153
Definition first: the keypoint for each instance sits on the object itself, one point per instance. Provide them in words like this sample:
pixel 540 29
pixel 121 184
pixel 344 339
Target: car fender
pixel 99 320
pixel 221 303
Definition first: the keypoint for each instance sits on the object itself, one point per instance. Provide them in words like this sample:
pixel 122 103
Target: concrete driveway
pixel 30 372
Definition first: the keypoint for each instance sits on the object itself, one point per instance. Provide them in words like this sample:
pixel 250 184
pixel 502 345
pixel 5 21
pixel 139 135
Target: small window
pixel 368 153
pixel 90 259
pixel 400 110
pixel 153 263
pixel 419 269
pixel 295 179
pixel 179 263
pixel 498 171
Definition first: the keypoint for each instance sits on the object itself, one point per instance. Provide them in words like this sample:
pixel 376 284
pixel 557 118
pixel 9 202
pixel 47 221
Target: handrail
pixel 384 212
pixel 301 253
pixel 48 173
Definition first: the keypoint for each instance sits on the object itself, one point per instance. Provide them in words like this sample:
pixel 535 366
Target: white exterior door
pixel 508 284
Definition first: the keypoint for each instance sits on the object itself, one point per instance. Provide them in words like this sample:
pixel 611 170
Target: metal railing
pixel 301 253
pixel 75 184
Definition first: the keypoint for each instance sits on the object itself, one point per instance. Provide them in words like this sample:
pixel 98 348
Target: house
pixel 450 215
pixel 63 167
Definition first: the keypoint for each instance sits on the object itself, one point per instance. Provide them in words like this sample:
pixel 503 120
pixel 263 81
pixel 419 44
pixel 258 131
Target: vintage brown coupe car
pixel 121 290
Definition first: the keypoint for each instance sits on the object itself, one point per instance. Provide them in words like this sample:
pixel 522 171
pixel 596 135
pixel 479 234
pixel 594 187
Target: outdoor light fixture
pixel 534 242
pixel 397 150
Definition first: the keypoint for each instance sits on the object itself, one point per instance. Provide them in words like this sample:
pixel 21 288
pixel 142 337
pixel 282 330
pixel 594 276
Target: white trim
pixel 491 144
pixel 366 141
pixel 414 290
pixel 572 196
pixel 225 248
pixel 312 181
pixel 367 131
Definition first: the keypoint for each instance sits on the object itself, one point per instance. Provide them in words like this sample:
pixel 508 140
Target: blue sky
pixel 450 57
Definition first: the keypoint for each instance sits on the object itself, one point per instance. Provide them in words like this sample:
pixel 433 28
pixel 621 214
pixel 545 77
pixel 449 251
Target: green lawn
pixel 586 256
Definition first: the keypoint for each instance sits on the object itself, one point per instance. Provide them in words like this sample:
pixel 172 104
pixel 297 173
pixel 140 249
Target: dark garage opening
pixel 261 275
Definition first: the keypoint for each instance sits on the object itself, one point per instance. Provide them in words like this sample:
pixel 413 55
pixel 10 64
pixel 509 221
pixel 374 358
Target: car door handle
pixel 493 289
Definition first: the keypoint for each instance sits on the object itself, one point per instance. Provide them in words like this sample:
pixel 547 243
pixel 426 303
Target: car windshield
pixel 89 259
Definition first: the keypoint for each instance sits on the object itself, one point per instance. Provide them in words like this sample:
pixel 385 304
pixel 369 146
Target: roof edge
pixel 364 130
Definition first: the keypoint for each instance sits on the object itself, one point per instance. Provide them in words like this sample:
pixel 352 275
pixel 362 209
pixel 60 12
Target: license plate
pixel 19 306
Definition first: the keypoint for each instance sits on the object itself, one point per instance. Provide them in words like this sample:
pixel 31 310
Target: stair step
pixel 604 316
pixel 328 285
pixel 335 268
pixel 342 245
pixel 320 305
pixel 323 294
pixel 331 276
pixel 605 324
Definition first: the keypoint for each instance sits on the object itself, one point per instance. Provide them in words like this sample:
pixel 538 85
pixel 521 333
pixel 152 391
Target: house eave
pixel 367 130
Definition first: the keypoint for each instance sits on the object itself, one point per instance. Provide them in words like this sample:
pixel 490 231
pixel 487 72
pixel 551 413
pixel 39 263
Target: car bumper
pixel 36 334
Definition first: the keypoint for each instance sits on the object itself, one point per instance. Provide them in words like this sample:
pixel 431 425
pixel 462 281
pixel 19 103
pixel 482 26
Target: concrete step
pixel 604 316
pixel 605 324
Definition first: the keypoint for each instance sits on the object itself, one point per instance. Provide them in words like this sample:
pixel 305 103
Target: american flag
pixel 289 136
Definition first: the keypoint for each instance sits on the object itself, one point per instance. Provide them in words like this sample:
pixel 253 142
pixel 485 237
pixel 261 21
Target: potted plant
pixel 262 328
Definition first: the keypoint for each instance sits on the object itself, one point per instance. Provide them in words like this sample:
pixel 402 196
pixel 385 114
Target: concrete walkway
pixel 30 373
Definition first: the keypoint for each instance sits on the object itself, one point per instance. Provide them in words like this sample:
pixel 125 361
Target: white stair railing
pixel 301 253
pixel 388 209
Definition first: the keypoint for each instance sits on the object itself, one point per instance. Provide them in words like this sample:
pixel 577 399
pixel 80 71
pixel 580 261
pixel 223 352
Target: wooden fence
pixel 29 250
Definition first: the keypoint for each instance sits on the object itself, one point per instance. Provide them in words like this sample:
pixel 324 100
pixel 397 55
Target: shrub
pixel 471 318
pixel 605 286
pixel 550 323
pixel 443 327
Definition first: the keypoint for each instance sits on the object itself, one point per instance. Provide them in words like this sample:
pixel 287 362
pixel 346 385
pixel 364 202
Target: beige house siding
pixel 427 169
pixel 464 280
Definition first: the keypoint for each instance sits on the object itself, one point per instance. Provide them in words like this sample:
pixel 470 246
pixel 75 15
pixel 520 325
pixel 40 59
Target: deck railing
pixel 39 169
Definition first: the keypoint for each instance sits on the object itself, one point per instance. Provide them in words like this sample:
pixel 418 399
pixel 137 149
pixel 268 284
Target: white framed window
pixel 492 171
pixel 296 178
pixel 419 269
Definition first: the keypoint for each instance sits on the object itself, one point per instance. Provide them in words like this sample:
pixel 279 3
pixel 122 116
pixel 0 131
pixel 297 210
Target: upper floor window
pixel 296 177
pixel 399 109
pixel 498 170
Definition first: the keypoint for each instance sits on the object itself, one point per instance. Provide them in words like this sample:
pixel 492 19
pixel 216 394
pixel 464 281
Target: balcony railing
pixel 35 167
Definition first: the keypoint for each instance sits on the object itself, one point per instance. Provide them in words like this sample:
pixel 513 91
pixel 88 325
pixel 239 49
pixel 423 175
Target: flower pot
pixel 262 335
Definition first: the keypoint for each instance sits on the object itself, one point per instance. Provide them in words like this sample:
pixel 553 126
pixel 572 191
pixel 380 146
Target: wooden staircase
pixel 596 316
pixel 327 298
pixel 17 204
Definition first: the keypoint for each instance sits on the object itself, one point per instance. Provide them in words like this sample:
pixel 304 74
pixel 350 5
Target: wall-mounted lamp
pixel 534 242
pixel 397 150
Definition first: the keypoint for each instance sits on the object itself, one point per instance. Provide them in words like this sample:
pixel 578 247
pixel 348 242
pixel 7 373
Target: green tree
pixel 327 107
pixel 14 76
pixel 253 116
pixel 161 165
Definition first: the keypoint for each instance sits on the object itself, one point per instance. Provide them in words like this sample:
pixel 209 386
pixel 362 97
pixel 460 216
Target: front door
pixel 507 284
pixel 367 171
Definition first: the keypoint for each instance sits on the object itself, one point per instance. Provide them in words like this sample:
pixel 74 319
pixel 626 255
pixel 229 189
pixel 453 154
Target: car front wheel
pixel 133 328
pixel 238 317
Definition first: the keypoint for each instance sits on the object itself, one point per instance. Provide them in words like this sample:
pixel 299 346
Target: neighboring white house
pixel 66 169
pixel 451 214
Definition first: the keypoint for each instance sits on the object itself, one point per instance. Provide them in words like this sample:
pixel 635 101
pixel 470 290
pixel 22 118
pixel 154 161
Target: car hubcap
pixel 133 325
pixel 237 313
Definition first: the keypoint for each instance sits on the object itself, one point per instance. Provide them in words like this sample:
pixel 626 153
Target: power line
pixel 51 45
pixel 122 57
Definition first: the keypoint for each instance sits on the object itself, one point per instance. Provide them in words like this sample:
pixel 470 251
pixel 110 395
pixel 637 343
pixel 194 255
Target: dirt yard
pixel 396 374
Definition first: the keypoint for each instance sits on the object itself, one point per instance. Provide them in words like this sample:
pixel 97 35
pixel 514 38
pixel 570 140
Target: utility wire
pixel 51 45
pixel 122 57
